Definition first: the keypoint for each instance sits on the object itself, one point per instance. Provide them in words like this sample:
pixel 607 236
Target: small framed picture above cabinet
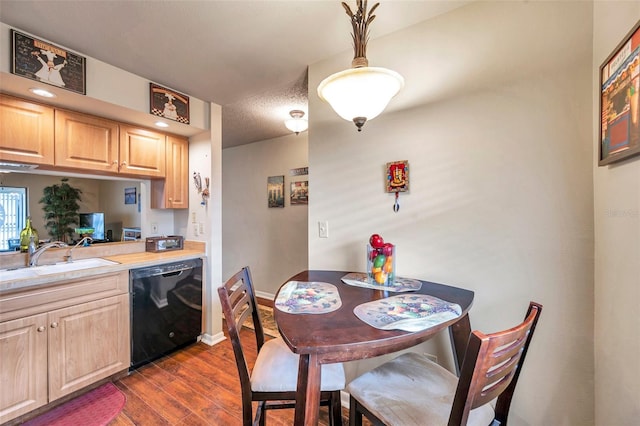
pixel 43 61
pixel 169 104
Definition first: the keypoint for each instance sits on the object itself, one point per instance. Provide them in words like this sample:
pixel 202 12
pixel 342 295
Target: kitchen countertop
pixel 125 262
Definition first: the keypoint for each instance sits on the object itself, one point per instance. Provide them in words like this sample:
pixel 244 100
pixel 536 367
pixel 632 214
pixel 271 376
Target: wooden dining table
pixel 340 336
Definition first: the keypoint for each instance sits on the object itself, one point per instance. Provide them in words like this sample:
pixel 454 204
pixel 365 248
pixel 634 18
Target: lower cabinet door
pixel 87 342
pixel 23 366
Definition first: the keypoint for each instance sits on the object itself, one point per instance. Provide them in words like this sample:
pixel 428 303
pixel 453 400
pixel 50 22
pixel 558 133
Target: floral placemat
pixel 304 297
pixel 408 312
pixel 400 284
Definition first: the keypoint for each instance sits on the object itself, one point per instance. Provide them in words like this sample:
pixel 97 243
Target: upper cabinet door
pixel 26 131
pixel 142 152
pixel 86 142
pixel 173 191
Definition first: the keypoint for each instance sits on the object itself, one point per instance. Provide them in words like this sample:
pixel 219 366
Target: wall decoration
pixel 169 104
pixel 130 196
pixel 299 171
pixel 204 192
pixel 43 61
pixel 299 193
pixel 275 191
pixel 619 101
pixel 397 180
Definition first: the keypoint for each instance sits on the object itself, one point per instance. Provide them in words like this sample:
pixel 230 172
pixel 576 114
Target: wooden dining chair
pixel 273 380
pixel 412 390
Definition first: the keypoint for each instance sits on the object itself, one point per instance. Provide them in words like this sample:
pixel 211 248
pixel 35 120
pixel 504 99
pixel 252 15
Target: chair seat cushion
pixel 276 370
pixel 412 390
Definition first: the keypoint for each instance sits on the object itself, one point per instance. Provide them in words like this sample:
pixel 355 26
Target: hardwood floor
pixel 198 385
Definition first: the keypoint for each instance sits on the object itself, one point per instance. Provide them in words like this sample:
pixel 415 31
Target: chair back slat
pixel 491 367
pixel 238 302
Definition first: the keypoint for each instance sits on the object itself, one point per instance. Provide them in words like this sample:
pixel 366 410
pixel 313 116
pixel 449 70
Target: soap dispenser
pixel 26 234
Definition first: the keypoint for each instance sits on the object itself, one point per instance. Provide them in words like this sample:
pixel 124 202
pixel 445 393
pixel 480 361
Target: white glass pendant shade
pixel 359 93
pixel 296 123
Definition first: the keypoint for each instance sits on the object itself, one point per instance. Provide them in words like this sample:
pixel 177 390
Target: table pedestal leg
pixel 308 391
pixel 459 335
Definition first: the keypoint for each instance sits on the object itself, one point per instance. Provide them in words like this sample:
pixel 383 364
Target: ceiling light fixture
pixel 362 92
pixel 42 92
pixel 161 124
pixel 296 123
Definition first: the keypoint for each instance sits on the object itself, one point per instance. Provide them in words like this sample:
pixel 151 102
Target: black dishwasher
pixel 166 309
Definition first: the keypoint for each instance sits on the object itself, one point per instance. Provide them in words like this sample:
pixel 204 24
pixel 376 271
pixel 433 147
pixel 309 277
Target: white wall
pixel 271 241
pixel 496 129
pixel 617 235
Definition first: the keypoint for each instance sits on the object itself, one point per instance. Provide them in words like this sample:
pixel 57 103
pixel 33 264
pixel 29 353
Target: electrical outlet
pixel 193 217
pixel 201 228
pixel 323 229
pixel 154 228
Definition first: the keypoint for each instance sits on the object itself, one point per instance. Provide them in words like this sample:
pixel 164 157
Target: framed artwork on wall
pixel 130 195
pixel 397 176
pixel 619 101
pixel 45 62
pixel 299 194
pixel 275 191
pixel 169 104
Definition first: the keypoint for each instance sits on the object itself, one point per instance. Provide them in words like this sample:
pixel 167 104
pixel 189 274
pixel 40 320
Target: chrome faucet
pixel 84 241
pixel 33 257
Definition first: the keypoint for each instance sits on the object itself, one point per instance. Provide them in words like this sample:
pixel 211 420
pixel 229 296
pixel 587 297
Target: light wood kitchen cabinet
pixel 142 152
pixel 173 191
pixel 23 370
pixel 86 344
pixel 26 133
pixel 86 142
pixel 61 338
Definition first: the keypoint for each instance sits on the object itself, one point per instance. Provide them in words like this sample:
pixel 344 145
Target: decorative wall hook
pixel 397 180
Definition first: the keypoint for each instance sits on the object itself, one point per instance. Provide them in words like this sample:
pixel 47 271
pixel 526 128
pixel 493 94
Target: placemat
pixel 304 297
pixel 400 284
pixel 408 312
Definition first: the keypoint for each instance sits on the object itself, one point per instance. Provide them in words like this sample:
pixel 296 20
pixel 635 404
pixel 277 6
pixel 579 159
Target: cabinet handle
pixel 41 329
pixel 115 162
pixel 124 164
pixel 54 325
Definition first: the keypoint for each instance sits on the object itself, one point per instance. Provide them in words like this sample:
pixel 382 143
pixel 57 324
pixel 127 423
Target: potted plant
pixel 61 209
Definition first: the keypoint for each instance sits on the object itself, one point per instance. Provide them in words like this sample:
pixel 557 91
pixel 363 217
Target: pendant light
pixel 362 92
pixel 296 123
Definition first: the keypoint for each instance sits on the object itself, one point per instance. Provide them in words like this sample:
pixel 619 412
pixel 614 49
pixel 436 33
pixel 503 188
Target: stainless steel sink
pixel 58 268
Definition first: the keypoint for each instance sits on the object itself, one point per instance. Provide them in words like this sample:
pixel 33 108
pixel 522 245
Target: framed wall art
pixel 619 102
pixel 130 195
pixel 45 62
pixel 169 104
pixel 397 176
pixel 299 193
pixel 275 191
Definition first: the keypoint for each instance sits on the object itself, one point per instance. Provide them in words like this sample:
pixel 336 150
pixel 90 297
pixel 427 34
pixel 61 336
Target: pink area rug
pixel 95 408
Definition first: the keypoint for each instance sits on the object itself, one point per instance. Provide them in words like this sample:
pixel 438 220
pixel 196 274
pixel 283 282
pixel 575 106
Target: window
pixel 13 216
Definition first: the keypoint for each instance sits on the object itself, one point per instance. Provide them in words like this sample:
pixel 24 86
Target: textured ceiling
pixel 250 57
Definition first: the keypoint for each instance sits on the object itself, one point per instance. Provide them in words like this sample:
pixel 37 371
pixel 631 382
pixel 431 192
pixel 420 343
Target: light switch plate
pixel 323 229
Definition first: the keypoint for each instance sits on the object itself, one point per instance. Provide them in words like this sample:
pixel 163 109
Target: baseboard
pixel 265 298
pixel 344 398
pixel 212 340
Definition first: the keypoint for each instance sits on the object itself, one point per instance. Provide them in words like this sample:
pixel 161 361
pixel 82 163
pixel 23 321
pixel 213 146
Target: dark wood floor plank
pixel 195 386
pixel 138 411
pixel 163 402
pixel 156 375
